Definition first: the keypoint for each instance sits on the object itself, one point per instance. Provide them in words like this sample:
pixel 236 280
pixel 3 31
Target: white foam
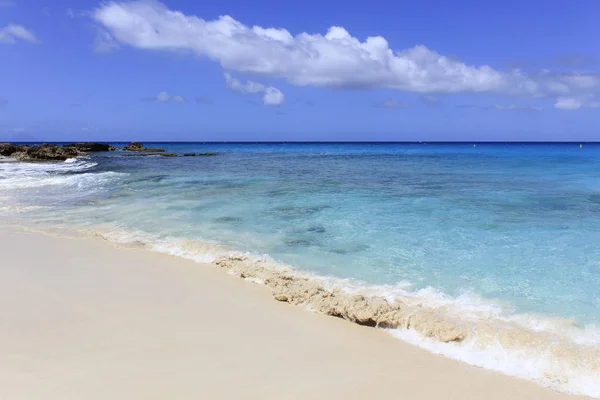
pixel 24 175
pixel 537 366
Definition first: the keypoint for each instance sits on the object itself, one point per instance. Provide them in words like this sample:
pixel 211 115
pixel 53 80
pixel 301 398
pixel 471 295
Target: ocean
pixel 502 237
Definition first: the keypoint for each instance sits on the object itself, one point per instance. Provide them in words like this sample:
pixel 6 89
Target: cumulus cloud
pixel 164 97
pixel 576 103
pixel 271 96
pixel 391 104
pixel 514 107
pixel 12 33
pixel 333 59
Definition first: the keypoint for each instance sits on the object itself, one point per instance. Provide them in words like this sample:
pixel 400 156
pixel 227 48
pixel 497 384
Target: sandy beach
pixel 83 318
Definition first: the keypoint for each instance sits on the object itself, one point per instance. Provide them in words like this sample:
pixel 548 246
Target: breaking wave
pixel 21 183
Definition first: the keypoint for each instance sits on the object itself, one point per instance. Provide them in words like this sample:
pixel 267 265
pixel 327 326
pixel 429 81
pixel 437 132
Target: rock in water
pixel 137 146
pixel 8 149
pixel 90 146
pixel 134 146
pixel 46 152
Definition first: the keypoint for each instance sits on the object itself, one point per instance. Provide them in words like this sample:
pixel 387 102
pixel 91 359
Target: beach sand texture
pixel 84 319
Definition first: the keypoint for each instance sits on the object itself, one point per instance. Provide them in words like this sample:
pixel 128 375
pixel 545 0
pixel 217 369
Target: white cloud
pixel 567 103
pixel 271 95
pixel 391 104
pixel 576 103
pixel 12 33
pixel 237 86
pixel 164 97
pixel 333 59
pixel 514 107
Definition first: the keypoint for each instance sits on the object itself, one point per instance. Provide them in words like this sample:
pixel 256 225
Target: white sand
pixel 83 319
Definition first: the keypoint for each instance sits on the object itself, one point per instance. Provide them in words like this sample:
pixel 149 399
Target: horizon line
pixel 309 142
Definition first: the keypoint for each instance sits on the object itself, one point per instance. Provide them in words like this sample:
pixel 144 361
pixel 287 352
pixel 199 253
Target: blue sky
pixel 177 70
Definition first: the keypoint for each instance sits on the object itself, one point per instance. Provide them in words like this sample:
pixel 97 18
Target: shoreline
pixel 217 316
pixel 553 352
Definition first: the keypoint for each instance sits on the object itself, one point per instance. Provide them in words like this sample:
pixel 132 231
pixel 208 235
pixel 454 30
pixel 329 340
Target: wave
pixel 554 352
pixel 70 173
pixel 12 166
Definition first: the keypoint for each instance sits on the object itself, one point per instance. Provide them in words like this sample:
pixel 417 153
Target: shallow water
pixel 494 227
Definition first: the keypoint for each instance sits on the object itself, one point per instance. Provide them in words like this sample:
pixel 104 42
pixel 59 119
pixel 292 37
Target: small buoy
pixel 580 146
pixel 474 145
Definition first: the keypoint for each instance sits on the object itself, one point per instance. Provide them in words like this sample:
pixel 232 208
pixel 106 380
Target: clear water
pixel 515 224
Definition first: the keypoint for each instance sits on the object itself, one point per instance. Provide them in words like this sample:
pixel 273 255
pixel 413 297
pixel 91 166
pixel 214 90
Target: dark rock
pixel 90 146
pixel 47 152
pixel 134 146
pixel 168 155
pixel 8 149
pixel 137 146
pixel 189 155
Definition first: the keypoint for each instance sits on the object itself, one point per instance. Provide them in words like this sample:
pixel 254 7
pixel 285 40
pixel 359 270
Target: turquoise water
pixel 516 225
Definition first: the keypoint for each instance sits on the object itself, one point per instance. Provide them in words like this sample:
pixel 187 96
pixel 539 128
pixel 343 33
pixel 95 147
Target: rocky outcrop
pixel 137 146
pixel 91 147
pixel 45 152
pixel 8 149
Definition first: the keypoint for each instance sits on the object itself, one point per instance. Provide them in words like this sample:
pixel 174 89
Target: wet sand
pixel 84 319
